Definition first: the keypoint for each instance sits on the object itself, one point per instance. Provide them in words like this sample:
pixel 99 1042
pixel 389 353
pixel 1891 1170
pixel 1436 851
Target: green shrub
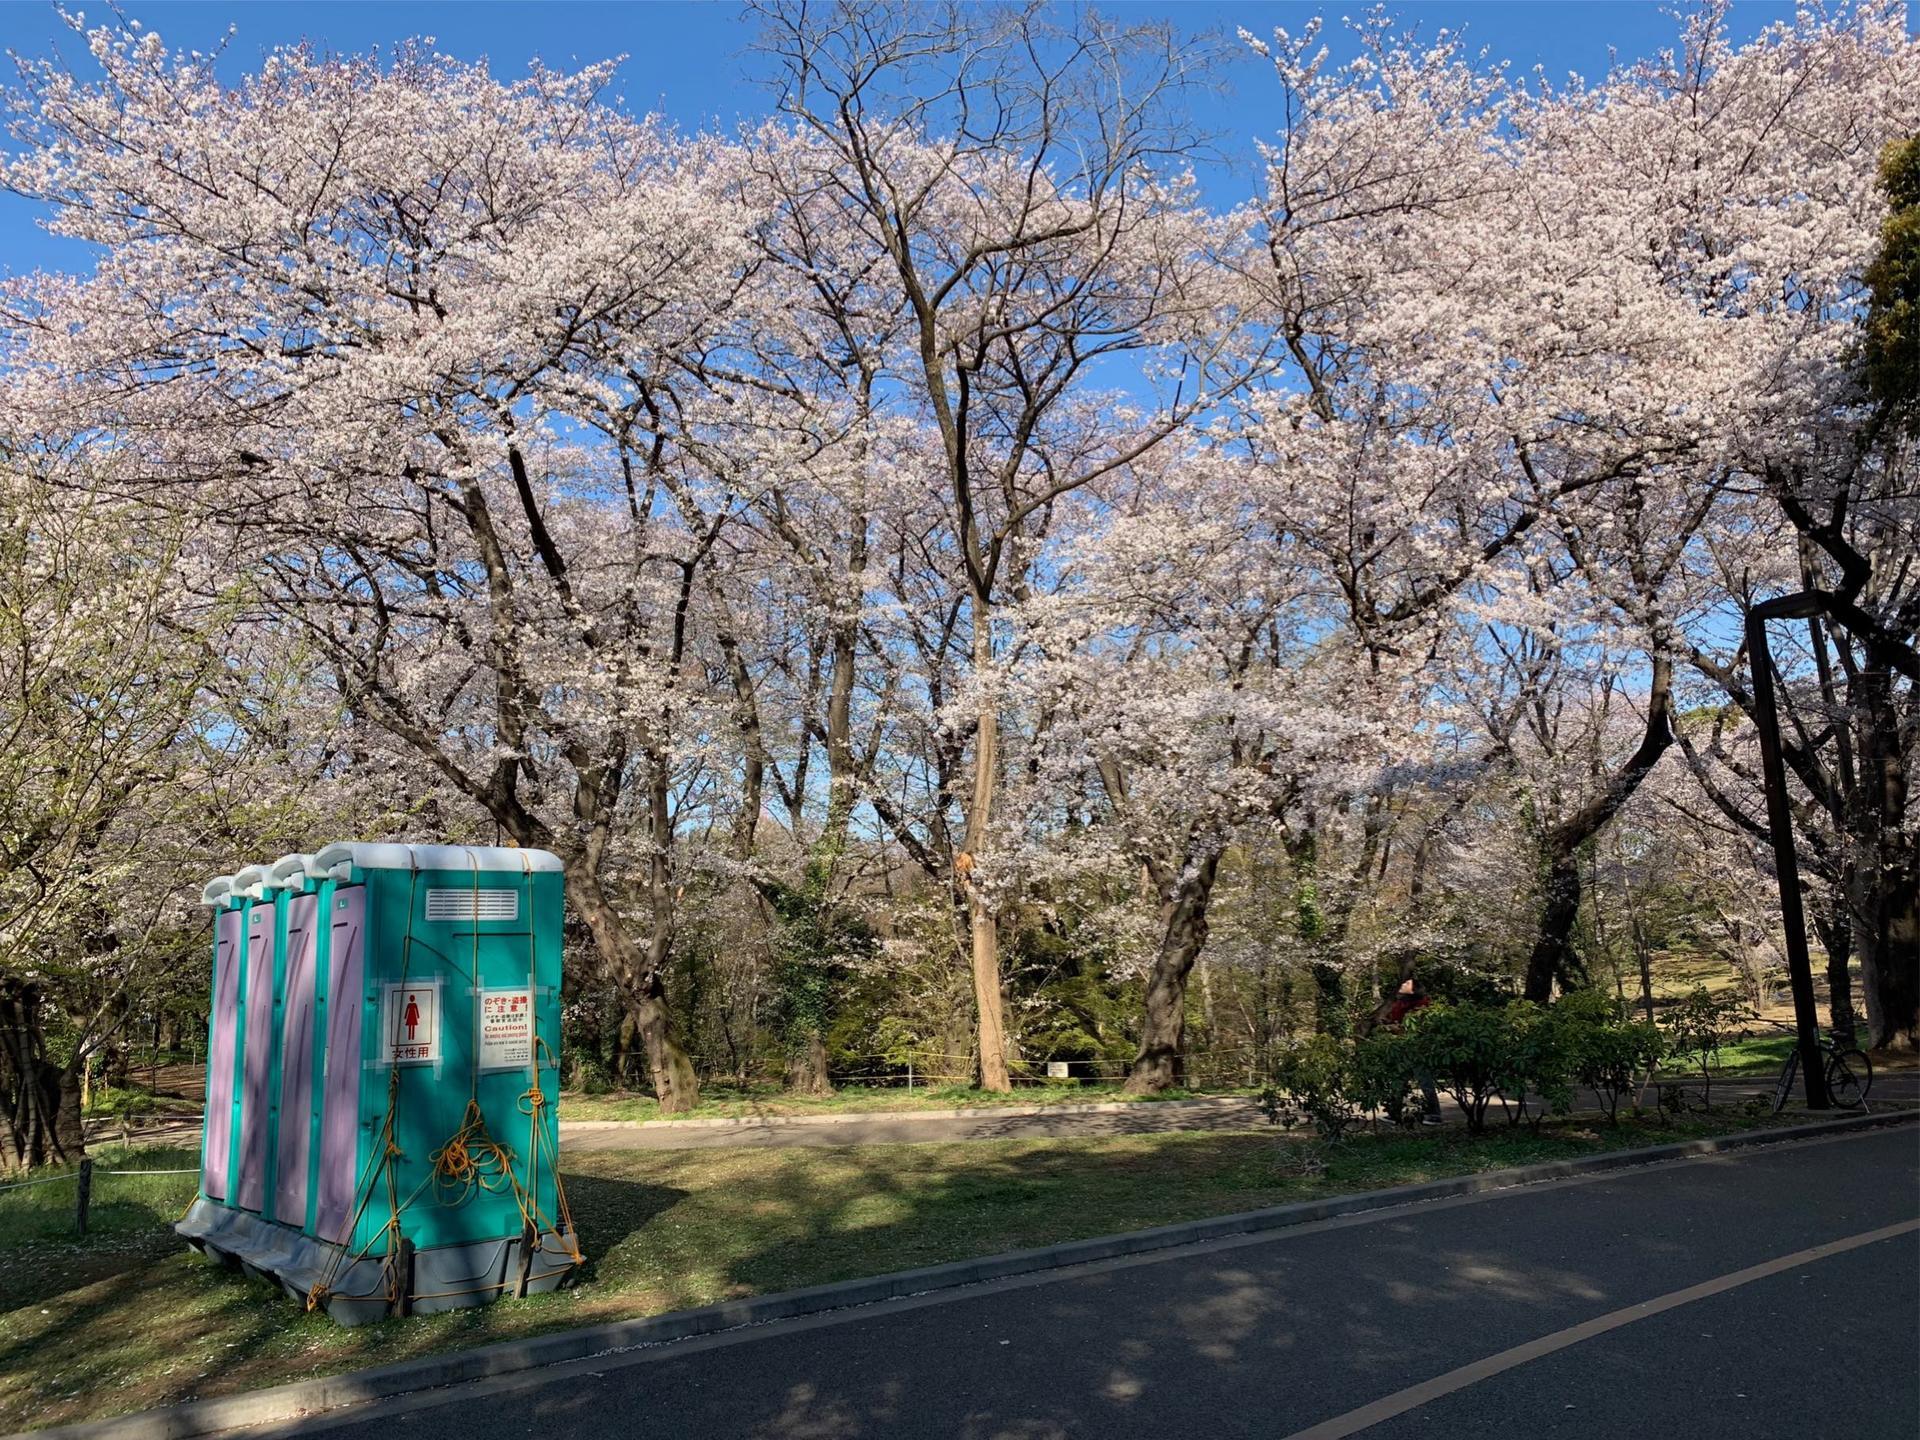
pixel 1314 1077
pixel 1527 1057
pixel 1383 1076
pixel 1539 1062
pixel 1696 1026
pixel 1468 1051
pixel 1606 1051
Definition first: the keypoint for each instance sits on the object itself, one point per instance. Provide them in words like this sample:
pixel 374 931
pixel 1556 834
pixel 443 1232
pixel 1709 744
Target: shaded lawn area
pixel 726 1102
pixel 128 1319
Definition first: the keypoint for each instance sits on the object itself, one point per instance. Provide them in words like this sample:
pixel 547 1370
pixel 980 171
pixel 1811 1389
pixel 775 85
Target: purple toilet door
pixel 226 1005
pixel 296 1064
pixel 340 1107
pixel 256 1060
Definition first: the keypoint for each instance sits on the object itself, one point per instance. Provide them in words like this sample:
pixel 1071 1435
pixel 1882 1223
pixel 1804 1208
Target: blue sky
pixel 691 62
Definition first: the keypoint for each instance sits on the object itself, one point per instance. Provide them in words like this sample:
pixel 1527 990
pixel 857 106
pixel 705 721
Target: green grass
pixel 719 1102
pixel 129 1319
pixel 1761 1055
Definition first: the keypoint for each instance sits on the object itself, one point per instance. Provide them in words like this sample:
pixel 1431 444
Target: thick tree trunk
pixel 807 1068
pixel 841 767
pixel 1834 926
pixel 638 977
pixel 1889 944
pixel 1552 955
pixel 41 1099
pixel 1900 968
pixel 1161 1063
pixel 1886 900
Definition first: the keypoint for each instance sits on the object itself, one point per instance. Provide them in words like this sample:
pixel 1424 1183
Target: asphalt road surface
pixel 1770 1293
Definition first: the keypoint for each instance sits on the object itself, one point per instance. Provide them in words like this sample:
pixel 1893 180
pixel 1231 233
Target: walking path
pixel 1894 1090
pixel 996 1122
pixel 1898 1089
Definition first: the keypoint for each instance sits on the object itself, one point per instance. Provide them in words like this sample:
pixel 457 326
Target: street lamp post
pixel 1766 715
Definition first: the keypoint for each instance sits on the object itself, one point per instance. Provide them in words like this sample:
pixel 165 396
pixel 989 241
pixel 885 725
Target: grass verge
pixel 720 1102
pixel 128 1319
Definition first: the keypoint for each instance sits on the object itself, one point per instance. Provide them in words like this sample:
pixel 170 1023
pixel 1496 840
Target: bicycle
pixel 1849 1075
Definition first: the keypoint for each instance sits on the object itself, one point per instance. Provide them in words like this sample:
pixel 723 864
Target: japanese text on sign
pixel 506 1029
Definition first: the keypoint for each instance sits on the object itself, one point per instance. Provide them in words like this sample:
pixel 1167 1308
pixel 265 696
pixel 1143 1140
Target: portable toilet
pixel 382 1077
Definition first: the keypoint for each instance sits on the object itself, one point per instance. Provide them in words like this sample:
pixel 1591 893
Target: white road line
pixel 1415 1396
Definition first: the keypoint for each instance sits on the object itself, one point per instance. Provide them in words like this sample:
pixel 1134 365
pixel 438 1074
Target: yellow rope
pixel 471 1160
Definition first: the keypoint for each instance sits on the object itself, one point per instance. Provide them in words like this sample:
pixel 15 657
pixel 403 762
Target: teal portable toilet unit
pixel 383 1066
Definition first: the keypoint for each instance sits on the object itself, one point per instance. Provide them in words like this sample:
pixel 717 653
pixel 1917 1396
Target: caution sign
pixel 410 1021
pixel 506 1029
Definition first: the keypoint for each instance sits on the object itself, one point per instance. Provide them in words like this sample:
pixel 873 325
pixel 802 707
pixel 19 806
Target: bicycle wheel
pixel 1849 1077
pixel 1783 1087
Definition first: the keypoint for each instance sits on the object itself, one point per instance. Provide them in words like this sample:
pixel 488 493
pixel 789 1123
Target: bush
pixel 1468 1049
pixel 1606 1051
pixel 1529 1058
pixel 1697 1026
pixel 1539 1062
pixel 1315 1078
pixel 1383 1076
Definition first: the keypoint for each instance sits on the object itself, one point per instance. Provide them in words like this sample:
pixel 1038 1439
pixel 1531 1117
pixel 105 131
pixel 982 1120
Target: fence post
pixel 528 1238
pixel 86 1193
pixel 909 1077
pixel 402 1263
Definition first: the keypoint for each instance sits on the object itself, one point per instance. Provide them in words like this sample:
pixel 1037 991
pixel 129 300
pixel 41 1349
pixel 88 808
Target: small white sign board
pixel 506 1028
pixel 410 1022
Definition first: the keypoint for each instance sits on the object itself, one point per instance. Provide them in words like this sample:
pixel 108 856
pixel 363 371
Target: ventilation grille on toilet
pixel 473 904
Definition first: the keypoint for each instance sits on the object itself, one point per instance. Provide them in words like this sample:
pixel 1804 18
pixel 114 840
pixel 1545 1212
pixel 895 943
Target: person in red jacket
pixel 1407 999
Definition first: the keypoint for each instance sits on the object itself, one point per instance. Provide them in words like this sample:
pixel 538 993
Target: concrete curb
pixel 963 1112
pixel 308 1397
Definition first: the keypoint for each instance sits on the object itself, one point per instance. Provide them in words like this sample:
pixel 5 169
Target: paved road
pixel 1637 1303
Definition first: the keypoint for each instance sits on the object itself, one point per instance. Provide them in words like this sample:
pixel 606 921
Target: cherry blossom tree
pixel 1009 177
pixel 420 336
pixel 918 517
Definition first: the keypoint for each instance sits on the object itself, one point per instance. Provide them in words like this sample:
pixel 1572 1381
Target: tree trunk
pixel 1552 957
pixel 1900 967
pixel 41 1099
pixel 632 969
pixel 984 928
pixel 807 1068
pixel 1889 943
pixel 1161 1063
pixel 988 999
pixel 1886 867
pixel 1835 929
pixel 1643 953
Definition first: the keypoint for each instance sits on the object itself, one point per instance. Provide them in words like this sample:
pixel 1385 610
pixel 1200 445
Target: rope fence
pixel 83 1176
